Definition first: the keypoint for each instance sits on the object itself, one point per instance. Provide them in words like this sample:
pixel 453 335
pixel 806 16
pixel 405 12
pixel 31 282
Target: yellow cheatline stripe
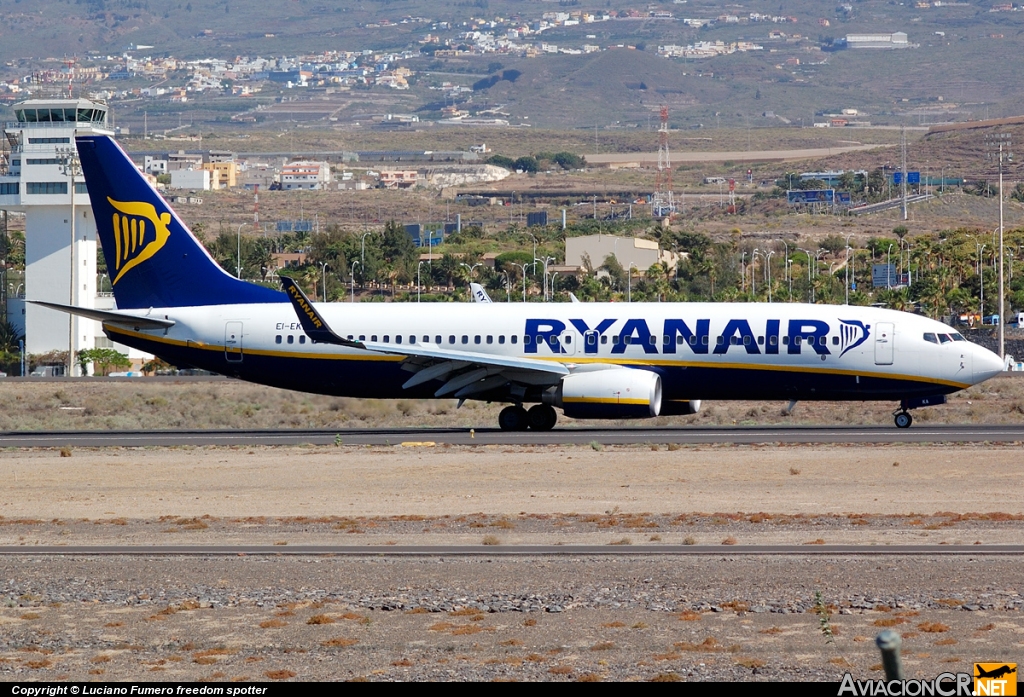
pixel 604 400
pixel 198 346
pixel 369 356
pixel 753 366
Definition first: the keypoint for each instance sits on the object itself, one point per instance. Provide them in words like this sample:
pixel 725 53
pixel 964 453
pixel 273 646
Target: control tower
pixel 37 168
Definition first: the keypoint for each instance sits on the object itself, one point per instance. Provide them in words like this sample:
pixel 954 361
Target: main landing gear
pixel 903 419
pixel 540 417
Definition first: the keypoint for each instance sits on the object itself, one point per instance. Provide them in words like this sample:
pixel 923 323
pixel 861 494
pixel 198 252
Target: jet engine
pixel 617 393
pixel 679 407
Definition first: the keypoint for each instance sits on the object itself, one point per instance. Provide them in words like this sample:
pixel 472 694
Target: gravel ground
pixel 719 618
pixel 715 617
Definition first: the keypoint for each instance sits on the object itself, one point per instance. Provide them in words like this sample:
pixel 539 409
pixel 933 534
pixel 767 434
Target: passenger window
pixel 291 339
pixel 568 339
pixel 437 339
pixel 734 340
pixel 398 338
pixel 693 340
pixel 476 339
pixel 387 338
pixel 604 338
pixel 704 340
pixel 373 337
pixel 514 338
pixel 501 339
pixel 773 341
pixel 651 340
pixel 835 341
pixel 526 340
pixel 277 339
pixel 615 340
pixel 797 340
pixel 362 337
pixel 465 339
pixel 785 341
pixel 490 339
pixel 944 338
pixel 591 340
pixel 451 339
pixel 720 341
pixel 302 338
pixel 760 341
pixel 746 340
pixel 350 337
pixel 627 340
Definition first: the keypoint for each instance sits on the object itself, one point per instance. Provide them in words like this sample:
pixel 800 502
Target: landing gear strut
pixel 541 417
pixel 903 419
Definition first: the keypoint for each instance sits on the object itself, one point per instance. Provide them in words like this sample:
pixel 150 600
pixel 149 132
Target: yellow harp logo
pixel 138 234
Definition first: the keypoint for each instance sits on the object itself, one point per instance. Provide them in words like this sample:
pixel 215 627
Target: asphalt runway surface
pixel 494 436
pixel 515 550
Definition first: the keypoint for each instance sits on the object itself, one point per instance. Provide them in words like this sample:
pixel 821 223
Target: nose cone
pixel 986 364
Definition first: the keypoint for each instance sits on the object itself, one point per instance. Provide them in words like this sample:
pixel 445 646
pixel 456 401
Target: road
pixel 490 436
pixel 514 550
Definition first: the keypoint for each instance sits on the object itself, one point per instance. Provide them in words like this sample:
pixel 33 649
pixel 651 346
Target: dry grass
pixel 491 540
pixel 283 674
pixel 272 624
pixel 751 663
pixel 560 670
pixel 933 627
pixel 603 646
pixel 689 616
pixel 340 642
pixel 729 540
pixel 888 622
pixel 321 619
pixel 667 677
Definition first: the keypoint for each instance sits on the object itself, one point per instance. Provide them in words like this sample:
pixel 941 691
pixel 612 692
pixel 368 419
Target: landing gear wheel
pixel 903 419
pixel 542 417
pixel 513 419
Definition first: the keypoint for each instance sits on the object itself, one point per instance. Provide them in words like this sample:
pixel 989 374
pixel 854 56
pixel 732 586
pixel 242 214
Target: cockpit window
pixel 957 337
pixel 944 338
pixel 930 336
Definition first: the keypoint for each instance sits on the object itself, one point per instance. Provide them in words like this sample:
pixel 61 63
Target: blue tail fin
pixel 152 258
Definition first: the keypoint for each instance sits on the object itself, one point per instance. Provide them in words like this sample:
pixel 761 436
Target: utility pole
pixel 71 166
pixel 999 146
pixel 903 181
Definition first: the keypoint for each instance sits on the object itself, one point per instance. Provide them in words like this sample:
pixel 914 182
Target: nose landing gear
pixel 902 415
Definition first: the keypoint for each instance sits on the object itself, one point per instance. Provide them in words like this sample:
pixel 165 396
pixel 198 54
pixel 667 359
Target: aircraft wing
pixel 110 316
pixel 465 373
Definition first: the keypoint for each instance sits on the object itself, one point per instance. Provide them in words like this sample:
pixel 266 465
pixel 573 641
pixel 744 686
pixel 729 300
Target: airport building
pixel 39 177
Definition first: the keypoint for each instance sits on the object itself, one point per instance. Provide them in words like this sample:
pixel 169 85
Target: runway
pixel 514 550
pixel 492 436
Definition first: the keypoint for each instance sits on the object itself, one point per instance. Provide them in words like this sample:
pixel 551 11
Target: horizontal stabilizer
pixel 109 316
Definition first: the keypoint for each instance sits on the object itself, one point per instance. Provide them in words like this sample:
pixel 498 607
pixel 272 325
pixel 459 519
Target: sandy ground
pixel 140 485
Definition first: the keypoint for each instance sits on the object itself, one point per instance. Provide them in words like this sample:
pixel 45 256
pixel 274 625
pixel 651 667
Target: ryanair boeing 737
pixel 591 360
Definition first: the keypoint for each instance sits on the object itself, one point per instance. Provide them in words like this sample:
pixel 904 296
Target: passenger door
pixel 233 342
pixel 885 334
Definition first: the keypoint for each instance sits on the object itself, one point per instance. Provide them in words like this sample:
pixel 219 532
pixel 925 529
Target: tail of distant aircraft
pixel 152 257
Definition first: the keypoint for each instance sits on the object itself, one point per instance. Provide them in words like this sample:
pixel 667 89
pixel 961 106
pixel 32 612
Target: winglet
pixel 479 294
pixel 312 323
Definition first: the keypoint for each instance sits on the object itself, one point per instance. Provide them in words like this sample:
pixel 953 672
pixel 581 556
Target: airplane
pixel 590 360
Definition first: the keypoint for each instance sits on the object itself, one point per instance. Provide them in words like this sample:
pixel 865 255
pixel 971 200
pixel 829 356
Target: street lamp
pixel 888 267
pixel 534 251
pixel 323 272
pixel 238 268
pixel 523 267
pixel 981 280
pixel 71 166
pixel 810 286
pixel 471 268
pixel 848 268
pixel 545 260
pixel 768 270
pixel 353 270
pixel 362 249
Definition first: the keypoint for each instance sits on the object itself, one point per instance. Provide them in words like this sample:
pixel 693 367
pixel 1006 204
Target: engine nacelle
pixel 620 393
pixel 680 407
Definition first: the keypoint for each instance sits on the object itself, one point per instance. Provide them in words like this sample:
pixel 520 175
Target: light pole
pixel 888 267
pixel 238 267
pixel 362 249
pixel 629 281
pixel 70 166
pixel 753 270
pixel 534 251
pixel 471 268
pixel 353 270
pixel 545 260
pixel 743 271
pixel 419 285
pixel 323 275
pixel 848 268
pixel 523 267
pixel 768 270
pixel 553 275
pixel 981 281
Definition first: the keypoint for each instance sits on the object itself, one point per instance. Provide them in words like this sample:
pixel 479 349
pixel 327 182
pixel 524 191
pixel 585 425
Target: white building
pixel 305 175
pixel 191 179
pixel 895 40
pixel 34 182
pixel 640 253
